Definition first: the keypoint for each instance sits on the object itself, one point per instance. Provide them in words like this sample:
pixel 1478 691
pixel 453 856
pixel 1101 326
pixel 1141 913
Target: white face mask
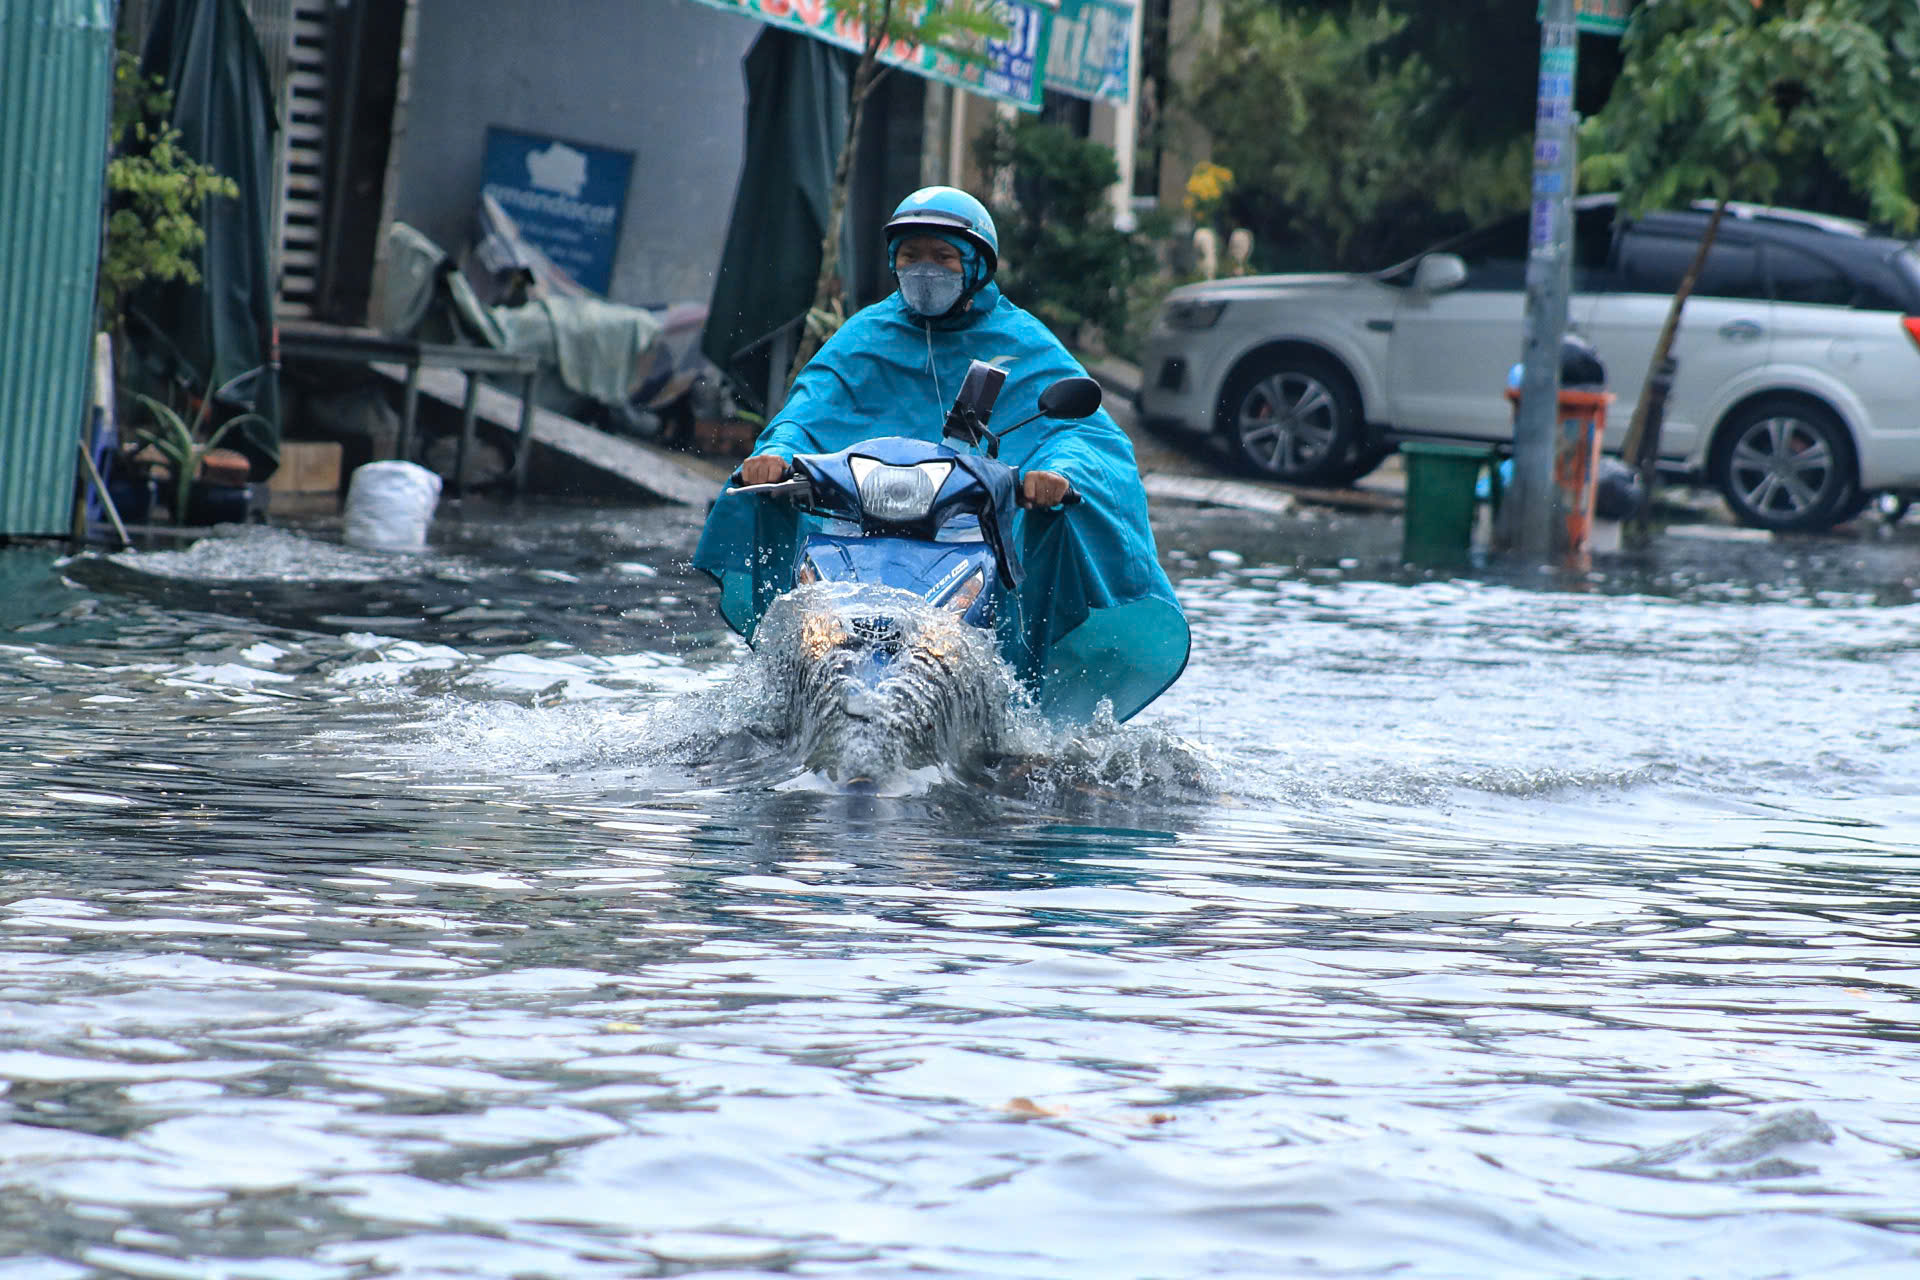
pixel 929 288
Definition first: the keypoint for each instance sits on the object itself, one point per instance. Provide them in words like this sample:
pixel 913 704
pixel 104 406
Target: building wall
pixel 1190 24
pixel 56 72
pixel 659 78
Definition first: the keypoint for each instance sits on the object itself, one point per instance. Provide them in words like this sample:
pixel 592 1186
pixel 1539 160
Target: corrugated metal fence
pixel 56 78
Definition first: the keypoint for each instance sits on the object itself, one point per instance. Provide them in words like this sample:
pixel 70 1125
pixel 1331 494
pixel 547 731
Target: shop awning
pixel 1081 47
pixel 213 333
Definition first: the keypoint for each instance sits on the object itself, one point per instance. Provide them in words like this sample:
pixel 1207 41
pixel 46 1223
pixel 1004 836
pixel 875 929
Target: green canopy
pixel 206 54
pixel 796 122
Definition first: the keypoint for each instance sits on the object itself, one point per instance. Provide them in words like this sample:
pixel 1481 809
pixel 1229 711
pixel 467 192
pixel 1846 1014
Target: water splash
pixel 848 690
pixel 262 553
pixel 1103 761
pixel 857 688
pixel 869 684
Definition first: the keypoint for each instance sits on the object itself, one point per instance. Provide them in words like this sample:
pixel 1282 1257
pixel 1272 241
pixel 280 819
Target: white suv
pixel 1798 385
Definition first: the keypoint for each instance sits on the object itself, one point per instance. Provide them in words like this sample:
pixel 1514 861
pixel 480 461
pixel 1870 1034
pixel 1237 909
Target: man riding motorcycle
pixel 1095 616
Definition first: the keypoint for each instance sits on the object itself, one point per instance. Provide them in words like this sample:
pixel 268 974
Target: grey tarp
pixel 601 349
pixel 796 123
pixel 207 55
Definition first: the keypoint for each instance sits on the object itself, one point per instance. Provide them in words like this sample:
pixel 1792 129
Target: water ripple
pixel 447 926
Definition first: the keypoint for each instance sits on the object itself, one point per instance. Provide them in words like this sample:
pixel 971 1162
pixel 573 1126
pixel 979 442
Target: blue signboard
pixel 1013 64
pixel 567 197
pixel 1089 54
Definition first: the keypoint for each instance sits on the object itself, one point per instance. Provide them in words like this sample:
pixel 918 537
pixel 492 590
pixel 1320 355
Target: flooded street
pixel 454 916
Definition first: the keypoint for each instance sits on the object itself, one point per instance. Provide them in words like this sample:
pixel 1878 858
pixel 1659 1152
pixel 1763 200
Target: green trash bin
pixel 1441 484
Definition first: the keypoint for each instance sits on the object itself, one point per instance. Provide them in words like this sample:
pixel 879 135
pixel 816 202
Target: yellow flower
pixel 1207 186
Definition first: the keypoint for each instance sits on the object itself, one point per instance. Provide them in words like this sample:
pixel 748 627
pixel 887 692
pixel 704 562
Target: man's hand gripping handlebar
pixel 1037 488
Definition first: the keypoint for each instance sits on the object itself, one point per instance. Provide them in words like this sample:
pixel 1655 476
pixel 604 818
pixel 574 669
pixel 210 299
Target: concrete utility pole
pixel 1529 520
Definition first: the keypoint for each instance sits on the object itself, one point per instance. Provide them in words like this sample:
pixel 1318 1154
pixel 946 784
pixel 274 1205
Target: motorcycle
pixel 886 643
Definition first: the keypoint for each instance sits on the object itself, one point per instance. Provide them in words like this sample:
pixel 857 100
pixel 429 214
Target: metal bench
pixel 313 341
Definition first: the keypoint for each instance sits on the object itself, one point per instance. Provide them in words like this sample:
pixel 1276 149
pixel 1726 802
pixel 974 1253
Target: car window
pixel 1894 284
pixel 1496 256
pixel 1907 263
pixel 1593 249
pixel 1801 277
pixel 1878 295
pixel 1653 263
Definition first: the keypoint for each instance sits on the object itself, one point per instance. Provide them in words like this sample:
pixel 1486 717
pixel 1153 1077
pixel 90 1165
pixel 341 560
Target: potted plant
pixel 186 453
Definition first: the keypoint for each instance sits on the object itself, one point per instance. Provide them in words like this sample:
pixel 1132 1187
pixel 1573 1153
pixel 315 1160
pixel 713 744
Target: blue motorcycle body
pixel 937 572
pixel 905 514
pixel 907 582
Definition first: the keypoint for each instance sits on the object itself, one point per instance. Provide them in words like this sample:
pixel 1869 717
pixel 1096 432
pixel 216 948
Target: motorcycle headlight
pixel 898 494
pixel 821 634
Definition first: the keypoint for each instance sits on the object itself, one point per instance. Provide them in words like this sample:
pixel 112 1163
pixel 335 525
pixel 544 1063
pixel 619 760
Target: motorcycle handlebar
pixel 794 488
pixel 799 489
pixel 1072 499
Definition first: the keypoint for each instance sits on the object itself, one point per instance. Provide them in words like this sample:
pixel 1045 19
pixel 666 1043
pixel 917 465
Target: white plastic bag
pixel 390 505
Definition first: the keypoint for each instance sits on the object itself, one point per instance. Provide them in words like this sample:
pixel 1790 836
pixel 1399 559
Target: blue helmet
pixel 949 211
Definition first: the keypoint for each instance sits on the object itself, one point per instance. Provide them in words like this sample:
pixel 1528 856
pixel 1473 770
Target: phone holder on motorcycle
pixel 967 420
pixel 1072 397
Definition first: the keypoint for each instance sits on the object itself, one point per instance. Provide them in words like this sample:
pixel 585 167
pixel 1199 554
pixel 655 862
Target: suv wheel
pixel 1787 465
pixel 1293 418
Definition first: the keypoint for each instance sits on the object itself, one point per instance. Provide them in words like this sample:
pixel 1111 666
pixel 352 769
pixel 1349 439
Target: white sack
pixel 390 505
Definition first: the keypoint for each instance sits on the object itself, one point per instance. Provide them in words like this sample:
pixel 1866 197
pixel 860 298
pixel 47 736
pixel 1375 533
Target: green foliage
pixel 157 191
pixel 1061 257
pixel 1732 98
pixel 181 444
pixel 1144 296
pixel 1483 57
pixel 955 31
pixel 1317 130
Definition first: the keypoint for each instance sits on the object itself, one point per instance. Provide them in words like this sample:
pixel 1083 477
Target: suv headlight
pixel 1194 315
pixel 898 494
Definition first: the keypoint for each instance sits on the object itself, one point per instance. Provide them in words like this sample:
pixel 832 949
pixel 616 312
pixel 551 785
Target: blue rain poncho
pixel 1095 617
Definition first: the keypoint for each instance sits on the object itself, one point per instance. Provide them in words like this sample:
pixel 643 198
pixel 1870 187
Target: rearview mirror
pixel 1077 397
pixel 1439 272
